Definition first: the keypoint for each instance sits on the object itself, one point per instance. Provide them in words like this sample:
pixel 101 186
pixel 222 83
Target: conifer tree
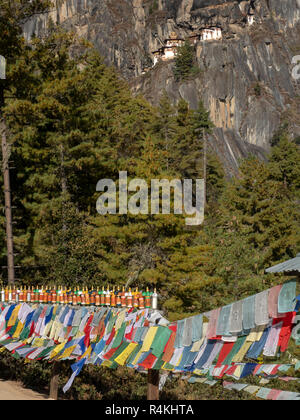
pixel 184 61
pixel 165 126
pixel 13 14
pixel 285 165
pixel 259 209
pixel 50 139
pixel 186 148
pixel 76 123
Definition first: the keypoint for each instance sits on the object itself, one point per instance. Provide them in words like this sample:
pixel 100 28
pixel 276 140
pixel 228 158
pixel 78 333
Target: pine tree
pixel 51 140
pixel 285 164
pixel 261 210
pixel 79 125
pixel 66 252
pixel 13 14
pixel 186 149
pixel 76 123
pixel 165 127
pixel 215 180
pixel 184 61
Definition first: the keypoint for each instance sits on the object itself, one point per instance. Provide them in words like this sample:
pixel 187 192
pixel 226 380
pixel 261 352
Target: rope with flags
pixel 229 341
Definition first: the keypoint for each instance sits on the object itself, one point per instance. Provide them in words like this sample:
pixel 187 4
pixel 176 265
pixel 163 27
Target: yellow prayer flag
pixel 19 328
pixel 197 344
pixel 238 357
pixel 29 339
pixel 67 352
pixel 86 353
pixel 55 310
pixel 56 350
pixel 53 330
pixel 106 363
pixel 149 339
pixel 238 371
pixel 198 372
pixel 57 331
pixel 121 359
pixel 13 318
pixel 134 362
pixel 38 342
pixel 256 334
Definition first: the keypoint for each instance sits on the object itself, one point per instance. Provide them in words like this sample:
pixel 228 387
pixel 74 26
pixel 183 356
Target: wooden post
pixel 54 381
pixel 7 193
pixel 153 385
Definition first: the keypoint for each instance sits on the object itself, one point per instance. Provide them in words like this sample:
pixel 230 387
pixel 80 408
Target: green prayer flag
pixel 119 336
pixel 119 351
pixel 238 344
pixel 24 334
pixel 110 325
pixel 46 351
pixel 160 340
pixel 133 354
pixel 158 364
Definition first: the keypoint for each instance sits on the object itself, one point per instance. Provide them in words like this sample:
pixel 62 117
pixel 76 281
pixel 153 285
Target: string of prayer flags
pixel 255 390
pixel 232 343
pixel 263 392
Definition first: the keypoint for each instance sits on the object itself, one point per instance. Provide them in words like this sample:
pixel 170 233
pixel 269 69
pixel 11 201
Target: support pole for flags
pixel 54 381
pixel 153 385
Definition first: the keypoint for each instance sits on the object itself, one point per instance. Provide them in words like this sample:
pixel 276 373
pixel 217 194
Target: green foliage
pixel 257 89
pixel 285 164
pixel 215 179
pixel 95 383
pixel 258 226
pixel 185 62
pixel 280 133
pixel 261 209
pixel 13 14
pixel 73 121
pixel 66 250
pixel 153 7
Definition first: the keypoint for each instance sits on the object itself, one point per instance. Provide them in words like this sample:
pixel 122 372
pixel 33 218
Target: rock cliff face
pixel 245 79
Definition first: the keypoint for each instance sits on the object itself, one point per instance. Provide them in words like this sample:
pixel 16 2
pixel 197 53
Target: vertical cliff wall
pixel 245 79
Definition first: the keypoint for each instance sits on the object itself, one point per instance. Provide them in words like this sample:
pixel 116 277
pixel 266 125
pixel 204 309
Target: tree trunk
pixel 204 164
pixel 7 197
pixel 64 188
